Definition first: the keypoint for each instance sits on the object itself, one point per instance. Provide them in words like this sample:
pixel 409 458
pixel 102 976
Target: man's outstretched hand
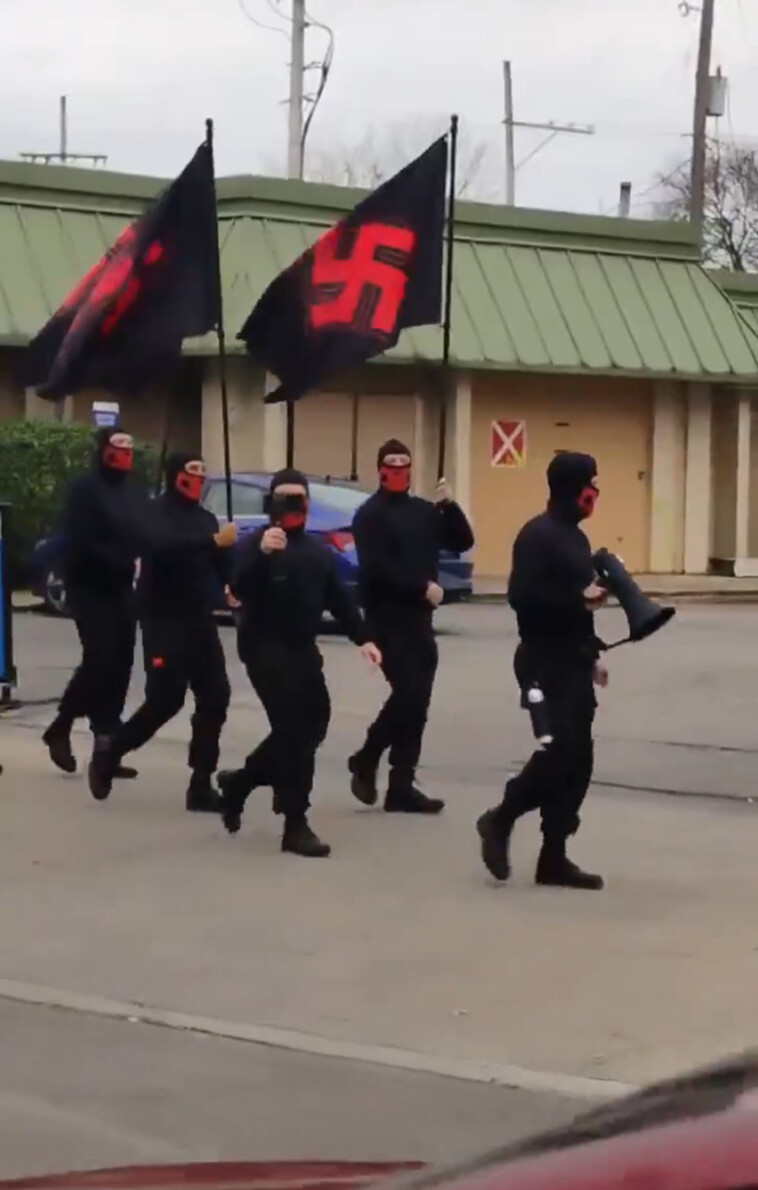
pixel 226 536
pixel 372 653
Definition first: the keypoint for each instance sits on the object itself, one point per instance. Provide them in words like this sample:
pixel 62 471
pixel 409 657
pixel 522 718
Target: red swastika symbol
pixel 112 279
pixel 352 274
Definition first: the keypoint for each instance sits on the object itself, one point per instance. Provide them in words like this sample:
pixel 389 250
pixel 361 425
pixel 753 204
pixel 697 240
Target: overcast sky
pixel 142 75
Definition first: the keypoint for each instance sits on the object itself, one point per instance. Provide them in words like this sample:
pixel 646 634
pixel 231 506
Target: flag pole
pixel 355 399
pixel 220 332
pixel 448 297
pixel 290 433
pixel 165 441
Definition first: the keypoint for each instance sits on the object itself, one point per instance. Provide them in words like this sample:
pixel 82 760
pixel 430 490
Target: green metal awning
pixel 537 292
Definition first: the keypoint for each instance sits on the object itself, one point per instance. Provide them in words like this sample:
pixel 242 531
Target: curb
pixel 684 597
pixel 414 1061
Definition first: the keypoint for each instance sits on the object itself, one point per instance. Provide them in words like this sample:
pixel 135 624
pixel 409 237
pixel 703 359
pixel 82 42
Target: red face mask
pixel 292 520
pixel 395 479
pixel 189 486
pixel 118 458
pixel 588 499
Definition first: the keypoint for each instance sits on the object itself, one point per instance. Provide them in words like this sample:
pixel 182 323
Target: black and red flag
pixel 156 286
pixel 348 297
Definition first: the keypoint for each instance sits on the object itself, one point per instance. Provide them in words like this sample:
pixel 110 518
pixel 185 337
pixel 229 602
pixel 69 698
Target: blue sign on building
pixel 105 414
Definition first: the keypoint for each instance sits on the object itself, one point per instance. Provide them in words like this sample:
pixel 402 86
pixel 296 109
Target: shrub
pixel 37 460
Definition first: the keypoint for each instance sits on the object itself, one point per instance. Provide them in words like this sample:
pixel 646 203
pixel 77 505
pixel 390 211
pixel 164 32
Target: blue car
pixel 332 508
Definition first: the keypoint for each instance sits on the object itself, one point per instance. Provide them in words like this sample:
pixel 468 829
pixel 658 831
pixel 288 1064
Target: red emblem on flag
pixel 508 447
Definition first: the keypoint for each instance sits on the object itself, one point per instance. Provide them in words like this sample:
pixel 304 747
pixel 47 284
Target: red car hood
pixel 239 1175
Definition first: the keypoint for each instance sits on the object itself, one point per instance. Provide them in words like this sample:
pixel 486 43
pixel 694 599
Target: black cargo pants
pixel 107 629
pixel 289 681
pixel 555 779
pixel 181 654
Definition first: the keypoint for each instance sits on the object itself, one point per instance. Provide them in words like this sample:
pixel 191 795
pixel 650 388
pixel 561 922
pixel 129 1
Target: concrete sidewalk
pixel 398 949
pixel 706 588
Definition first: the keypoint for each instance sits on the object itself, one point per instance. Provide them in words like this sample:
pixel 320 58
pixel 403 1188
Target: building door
pixel 519 423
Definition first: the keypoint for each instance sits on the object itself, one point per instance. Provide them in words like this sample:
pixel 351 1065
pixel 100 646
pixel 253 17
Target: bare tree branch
pixel 730 230
pixel 378 155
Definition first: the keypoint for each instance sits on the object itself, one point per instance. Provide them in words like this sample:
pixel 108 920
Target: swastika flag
pixel 154 287
pixel 348 297
pixel 508 444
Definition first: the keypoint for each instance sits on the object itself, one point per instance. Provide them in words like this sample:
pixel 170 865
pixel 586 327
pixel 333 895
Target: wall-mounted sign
pixel 508 444
pixel 105 414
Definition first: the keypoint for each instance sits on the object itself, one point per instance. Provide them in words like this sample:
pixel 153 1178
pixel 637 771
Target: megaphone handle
pixel 607 648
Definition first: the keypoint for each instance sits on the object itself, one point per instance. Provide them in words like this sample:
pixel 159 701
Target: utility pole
pixel 63 156
pixel 297 75
pixel 510 150
pixel 702 98
pixel 625 200
pixel 552 129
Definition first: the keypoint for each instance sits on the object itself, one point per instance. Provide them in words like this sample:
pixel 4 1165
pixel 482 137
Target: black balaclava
pixel 112 461
pixel 288 512
pixel 396 480
pixel 573 492
pixel 179 481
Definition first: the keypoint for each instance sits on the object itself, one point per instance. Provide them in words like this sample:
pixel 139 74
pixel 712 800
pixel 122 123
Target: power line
pixel 261 24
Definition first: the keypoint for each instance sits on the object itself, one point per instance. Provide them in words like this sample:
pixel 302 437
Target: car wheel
pixel 55 594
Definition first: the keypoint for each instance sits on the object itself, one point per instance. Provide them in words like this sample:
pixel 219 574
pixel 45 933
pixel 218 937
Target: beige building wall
pixel 698 502
pixel 723 544
pixel 352 421
pixel 667 489
pixel 752 496
pixel 247 419
pixel 610 419
pixel 12 395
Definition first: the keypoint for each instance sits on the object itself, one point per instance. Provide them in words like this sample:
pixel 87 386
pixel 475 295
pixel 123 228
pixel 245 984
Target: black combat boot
pixel 57 739
pixel 299 839
pixel 411 801
pixel 495 833
pixel 363 780
pixel 556 869
pixel 201 797
pixel 232 801
pixel 102 767
pixel 125 772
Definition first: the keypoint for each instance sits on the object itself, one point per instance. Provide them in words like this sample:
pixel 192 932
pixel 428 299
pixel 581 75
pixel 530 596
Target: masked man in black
pixel 185 552
pixel 285 580
pixel 553 591
pixel 398 538
pixel 103 515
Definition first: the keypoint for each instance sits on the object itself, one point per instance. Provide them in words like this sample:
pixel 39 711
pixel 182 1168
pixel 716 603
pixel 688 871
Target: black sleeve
pixel 221 559
pixel 250 567
pixel 455 533
pixel 379 570
pixel 83 519
pixel 156 534
pixel 340 602
pixel 538 581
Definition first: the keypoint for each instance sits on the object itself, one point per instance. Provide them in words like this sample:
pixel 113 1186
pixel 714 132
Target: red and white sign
pixel 508 444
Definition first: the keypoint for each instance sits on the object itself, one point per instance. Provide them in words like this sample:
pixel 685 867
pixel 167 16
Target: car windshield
pixel 247 499
pixel 338 497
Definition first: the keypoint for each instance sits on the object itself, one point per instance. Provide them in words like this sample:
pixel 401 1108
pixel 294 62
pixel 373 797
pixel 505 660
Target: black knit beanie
pixel 392 447
pixel 287 475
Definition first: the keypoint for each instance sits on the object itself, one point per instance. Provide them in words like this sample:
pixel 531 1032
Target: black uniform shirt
pixel 285 594
pixel 103 518
pixel 182 567
pixel 398 538
pixel 552 567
